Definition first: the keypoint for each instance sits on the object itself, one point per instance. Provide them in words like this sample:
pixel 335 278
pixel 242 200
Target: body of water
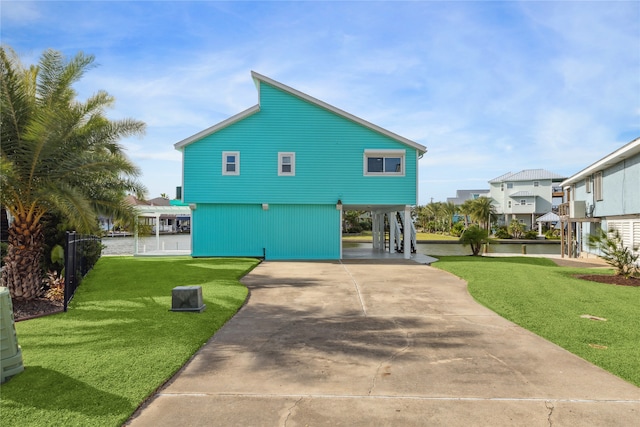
pixel 182 242
pixel 455 248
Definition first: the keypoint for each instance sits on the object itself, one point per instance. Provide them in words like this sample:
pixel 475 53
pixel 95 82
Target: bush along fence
pixel 82 251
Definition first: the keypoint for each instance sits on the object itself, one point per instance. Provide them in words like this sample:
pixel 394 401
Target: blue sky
pixel 488 87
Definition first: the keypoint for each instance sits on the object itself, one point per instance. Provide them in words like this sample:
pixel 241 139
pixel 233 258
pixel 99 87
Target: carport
pixel 395 216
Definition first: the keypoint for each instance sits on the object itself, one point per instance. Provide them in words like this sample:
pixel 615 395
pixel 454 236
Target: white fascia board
pixel 617 156
pixel 223 124
pixel 259 77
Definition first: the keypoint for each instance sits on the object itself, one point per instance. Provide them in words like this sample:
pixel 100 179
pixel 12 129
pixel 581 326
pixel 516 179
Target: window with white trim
pixel 286 164
pixel 509 203
pixel 230 163
pixel 509 185
pixel 523 202
pixel 597 186
pixel 536 183
pixel 384 162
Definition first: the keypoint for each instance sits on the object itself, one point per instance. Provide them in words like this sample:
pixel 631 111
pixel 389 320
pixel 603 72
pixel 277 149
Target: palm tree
pixel 482 212
pixel 448 211
pixel 58 155
pixel 465 209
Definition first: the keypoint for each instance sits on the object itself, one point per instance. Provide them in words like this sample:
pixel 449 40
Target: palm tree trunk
pixel 22 272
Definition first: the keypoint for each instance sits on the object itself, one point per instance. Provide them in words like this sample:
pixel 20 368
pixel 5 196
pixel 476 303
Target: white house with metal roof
pixel 525 195
pixel 605 195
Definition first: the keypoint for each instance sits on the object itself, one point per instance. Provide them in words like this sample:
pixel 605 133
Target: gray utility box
pixel 187 298
pixel 10 354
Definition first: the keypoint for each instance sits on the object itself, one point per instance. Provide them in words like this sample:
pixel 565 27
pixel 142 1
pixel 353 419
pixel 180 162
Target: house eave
pixel 626 151
pixel 215 128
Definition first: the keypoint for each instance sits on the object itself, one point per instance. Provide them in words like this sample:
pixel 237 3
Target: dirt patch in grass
pixel 23 310
pixel 609 279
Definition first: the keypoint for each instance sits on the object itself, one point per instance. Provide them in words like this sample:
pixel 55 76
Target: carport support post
pixel 407 232
pixel 392 233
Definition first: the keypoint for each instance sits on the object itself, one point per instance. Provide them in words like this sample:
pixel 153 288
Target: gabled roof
pixel 548 217
pixel 527 175
pixel 522 194
pixel 257 78
pixel 626 151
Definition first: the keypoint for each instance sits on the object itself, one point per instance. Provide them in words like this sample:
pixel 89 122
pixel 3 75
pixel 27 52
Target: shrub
pixel 552 234
pixel 516 228
pixel 475 237
pixel 614 252
pixel 457 229
pixel 530 235
pixel 502 233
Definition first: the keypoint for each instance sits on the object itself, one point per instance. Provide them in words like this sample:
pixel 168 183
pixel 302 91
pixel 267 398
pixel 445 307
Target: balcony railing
pixel 563 209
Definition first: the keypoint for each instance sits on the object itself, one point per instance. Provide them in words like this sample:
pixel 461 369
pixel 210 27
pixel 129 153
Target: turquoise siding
pixel 281 232
pixel 329 159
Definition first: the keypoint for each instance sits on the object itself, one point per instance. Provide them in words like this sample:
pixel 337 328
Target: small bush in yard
pixel 615 253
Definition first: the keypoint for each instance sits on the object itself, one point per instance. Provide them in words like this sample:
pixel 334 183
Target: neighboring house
pixel 605 195
pixel 525 195
pixel 171 216
pixel 273 180
pixel 464 195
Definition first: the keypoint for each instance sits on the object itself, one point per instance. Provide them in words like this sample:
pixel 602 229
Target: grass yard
pixel 540 296
pixel 94 365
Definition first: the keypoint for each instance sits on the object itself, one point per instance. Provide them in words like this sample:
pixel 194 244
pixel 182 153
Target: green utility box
pixel 10 354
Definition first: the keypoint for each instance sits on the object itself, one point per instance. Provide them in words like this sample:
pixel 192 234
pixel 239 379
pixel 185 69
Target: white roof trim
pixel 217 127
pixel 627 150
pixel 259 77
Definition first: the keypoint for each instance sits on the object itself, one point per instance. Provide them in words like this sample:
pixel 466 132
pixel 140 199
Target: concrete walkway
pixel 381 343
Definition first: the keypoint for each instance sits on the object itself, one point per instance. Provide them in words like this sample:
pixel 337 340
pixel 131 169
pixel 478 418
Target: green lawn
pixel 540 296
pixel 94 365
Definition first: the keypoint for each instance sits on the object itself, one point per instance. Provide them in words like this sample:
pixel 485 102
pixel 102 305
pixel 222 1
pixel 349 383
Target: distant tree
pixel 614 252
pixel 482 212
pixel 465 209
pixel 351 221
pixel 516 228
pixel 164 196
pixel 474 236
pixel 448 211
pixel 58 155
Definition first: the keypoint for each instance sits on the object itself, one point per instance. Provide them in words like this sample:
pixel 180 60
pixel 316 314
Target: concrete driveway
pixel 380 343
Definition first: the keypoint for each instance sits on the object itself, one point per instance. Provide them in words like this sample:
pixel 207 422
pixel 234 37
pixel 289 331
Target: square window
pixel 536 183
pixel 375 164
pixel 509 184
pixel 523 202
pixel 286 164
pixel 230 163
pixel 384 162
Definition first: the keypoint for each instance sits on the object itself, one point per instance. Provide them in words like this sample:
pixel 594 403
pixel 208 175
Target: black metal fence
pixel 81 252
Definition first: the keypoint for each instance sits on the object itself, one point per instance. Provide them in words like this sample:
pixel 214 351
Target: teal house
pixel 274 180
